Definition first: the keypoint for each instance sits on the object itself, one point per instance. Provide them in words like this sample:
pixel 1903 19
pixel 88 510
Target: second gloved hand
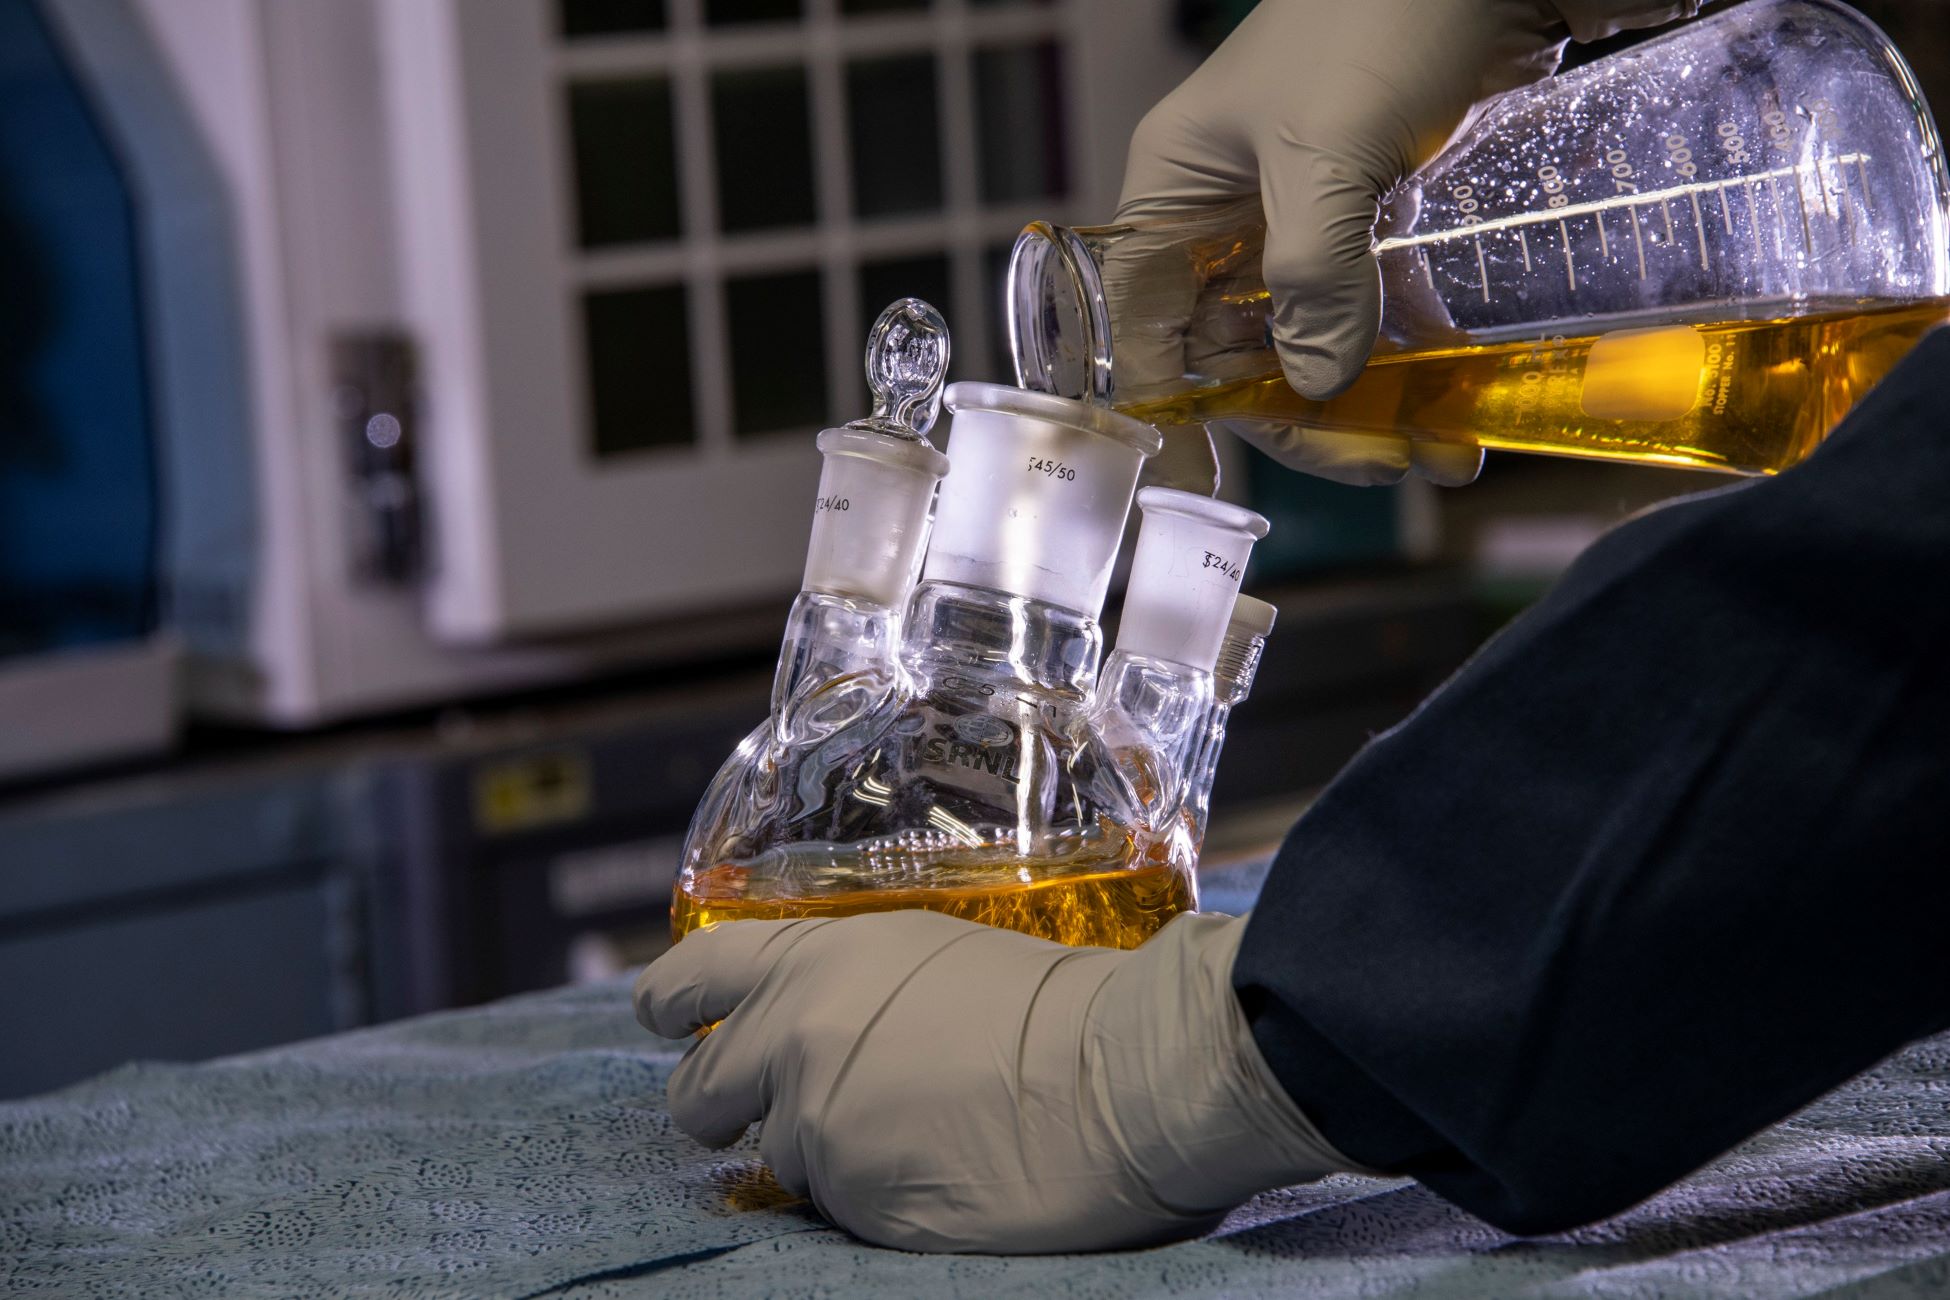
pixel 939 1085
pixel 1318 108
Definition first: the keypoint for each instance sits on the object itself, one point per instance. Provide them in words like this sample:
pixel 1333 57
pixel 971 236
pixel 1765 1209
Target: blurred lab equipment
pixel 180 918
pixel 1700 251
pixel 398 429
pixel 449 333
pixel 87 665
pixel 952 746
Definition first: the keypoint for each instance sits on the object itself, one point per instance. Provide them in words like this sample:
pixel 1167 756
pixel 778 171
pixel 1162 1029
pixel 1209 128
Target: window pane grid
pixel 866 240
pixel 845 245
pixel 623 160
pixel 829 127
pixel 722 47
pixel 586 18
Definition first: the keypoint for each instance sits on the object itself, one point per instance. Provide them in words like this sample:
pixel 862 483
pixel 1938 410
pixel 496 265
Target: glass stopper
pixel 907 360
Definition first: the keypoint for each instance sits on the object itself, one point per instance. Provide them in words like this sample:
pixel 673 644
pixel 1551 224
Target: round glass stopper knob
pixel 907 362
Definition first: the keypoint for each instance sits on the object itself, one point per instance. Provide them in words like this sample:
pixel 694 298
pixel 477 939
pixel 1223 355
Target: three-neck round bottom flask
pixel 961 744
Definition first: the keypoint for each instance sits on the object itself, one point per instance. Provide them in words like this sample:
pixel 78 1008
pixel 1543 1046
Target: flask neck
pixel 1059 319
pixel 1204 765
pixel 838 659
pixel 1037 495
pixel 1109 314
pixel 1232 681
pixel 1153 714
pixel 994 638
pixel 1232 676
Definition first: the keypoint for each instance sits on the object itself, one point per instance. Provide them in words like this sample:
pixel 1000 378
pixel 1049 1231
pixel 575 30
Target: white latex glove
pixel 939 1085
pixel 1320 107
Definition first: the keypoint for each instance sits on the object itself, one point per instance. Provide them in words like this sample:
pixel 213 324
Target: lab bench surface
pixel 523 1148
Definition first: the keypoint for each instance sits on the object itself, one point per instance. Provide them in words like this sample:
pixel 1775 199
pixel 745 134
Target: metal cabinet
pixel 178 918
pixel 532 854
pixel 324 884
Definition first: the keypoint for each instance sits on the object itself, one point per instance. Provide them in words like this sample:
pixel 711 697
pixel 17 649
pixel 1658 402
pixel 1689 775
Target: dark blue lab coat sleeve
pixel 1668 859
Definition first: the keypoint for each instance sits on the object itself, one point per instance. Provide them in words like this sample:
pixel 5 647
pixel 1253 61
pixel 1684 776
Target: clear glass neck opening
pixel 1059 321
pixel 994 636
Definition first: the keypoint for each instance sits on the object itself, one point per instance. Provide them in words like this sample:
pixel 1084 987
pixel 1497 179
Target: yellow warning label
pixel 537 790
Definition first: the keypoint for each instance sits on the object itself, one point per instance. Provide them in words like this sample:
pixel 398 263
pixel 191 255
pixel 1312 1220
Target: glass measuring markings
pixel 1732 237
pixel 1762 198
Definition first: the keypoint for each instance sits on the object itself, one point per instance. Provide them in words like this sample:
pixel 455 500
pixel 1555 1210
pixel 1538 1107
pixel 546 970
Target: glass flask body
pixel 837 667
pixel 985 794
pixel 1701 251
pixel 986 771
pixel 978 782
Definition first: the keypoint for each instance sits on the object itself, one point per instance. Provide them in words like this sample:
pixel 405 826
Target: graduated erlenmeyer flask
pixel 1701 251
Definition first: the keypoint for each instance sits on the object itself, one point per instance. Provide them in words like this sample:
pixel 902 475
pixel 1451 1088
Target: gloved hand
pixel 1319 108
pixel 939 1085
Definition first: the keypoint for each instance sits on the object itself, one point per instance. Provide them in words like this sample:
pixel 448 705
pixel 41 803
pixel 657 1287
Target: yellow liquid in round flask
pixel 1108 901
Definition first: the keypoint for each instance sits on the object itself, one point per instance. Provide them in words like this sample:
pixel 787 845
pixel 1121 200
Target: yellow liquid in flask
pixel 1742 396
pixel 1090 899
